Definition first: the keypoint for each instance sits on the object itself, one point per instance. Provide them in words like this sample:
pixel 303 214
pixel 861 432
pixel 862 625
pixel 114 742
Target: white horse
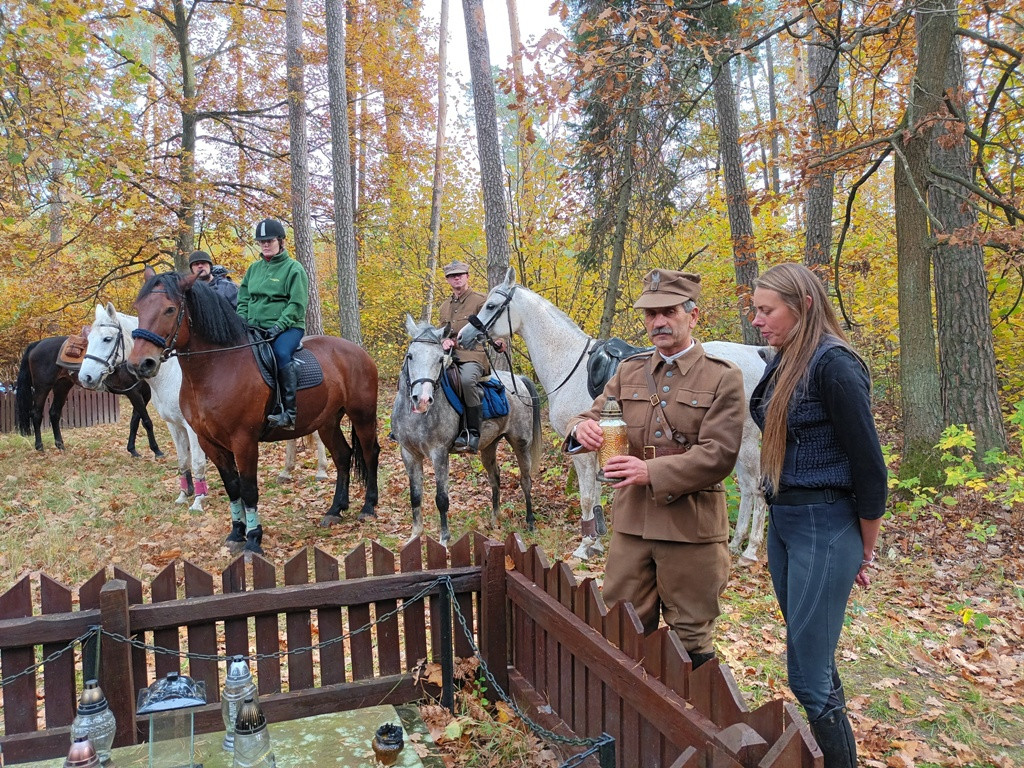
pixel 558 349
pixel 110 342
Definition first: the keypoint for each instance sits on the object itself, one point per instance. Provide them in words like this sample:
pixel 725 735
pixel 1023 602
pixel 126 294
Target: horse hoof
pixel 135 454
pixel 253 540
pixel 236 539
pixel 365 516
pixel 158 454
pixel 599 522
pixel 235 547
pixel 182 498
pixel 330 520
pixel 197 504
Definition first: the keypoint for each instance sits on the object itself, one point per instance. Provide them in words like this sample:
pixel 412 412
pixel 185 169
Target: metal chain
pixel 423 593
pixel 52 657
pixel 535 727
pixel 578 758
pixel 443 581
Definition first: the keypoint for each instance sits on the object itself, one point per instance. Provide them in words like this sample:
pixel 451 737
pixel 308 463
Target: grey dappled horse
pixel 425 425
pixel 558 349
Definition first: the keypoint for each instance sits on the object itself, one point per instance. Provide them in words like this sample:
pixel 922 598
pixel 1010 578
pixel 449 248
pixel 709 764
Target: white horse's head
pixel 425 361
pixel 498 316
pixel 109 345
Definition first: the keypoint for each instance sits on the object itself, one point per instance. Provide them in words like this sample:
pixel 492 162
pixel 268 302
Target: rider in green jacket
pixel 273 296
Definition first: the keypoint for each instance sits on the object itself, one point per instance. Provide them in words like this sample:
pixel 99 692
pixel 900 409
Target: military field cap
pixel 456 268
pixel 199 256
pixel 668 287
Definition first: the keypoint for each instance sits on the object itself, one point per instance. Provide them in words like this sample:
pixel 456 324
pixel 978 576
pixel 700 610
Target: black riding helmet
pixel 269 229
pixel 198 256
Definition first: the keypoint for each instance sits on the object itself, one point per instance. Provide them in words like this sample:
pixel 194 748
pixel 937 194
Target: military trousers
pixel 678 580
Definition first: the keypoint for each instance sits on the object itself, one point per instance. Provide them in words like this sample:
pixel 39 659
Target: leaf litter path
pixel 932 655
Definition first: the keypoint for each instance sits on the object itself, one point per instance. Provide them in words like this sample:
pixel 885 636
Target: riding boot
pixel 469 439
pixel 284 416
pixel 834 735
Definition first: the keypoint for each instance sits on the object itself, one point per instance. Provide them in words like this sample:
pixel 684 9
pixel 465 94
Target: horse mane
pixel 213 318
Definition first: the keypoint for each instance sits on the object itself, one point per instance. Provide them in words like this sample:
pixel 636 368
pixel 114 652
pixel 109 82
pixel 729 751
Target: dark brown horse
pixel 40 374
pixel 225 400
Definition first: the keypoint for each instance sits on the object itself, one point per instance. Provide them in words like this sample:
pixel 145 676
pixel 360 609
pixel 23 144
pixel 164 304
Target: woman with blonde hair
pixel 825 483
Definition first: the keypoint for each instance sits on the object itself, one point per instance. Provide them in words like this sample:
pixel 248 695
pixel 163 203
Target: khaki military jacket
pixel 704 400
pixel 457 312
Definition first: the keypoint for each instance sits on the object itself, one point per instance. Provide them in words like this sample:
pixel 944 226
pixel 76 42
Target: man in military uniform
pixel 201 265
pixel 472 363
pixel 684 413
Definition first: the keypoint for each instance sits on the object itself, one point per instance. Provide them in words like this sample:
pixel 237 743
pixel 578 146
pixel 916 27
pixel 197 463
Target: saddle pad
pixel 72 352
pixel 604 361
pixel 307 367
pixel 494 401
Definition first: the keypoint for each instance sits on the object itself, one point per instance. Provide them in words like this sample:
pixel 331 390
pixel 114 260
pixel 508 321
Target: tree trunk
pixel 741 224
pixel 519 83
pixel 299 154
pixel 625 195
pixel 344 229
pixel 759 120
pixel 185 240
pixel 438 185
pixel 773 114
pixel 919 376
pixel 823 72
pixel 492 172
pixel 967 364
pixel 56 206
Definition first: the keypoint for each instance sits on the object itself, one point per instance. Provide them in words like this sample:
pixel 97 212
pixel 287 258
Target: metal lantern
pixel 82 754
pixel 252 739
pixel 170 704
pixel 237 686
pixel 95 720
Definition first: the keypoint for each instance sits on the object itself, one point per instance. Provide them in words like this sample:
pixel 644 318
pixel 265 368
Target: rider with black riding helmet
pixel 273 296
pixel 201 265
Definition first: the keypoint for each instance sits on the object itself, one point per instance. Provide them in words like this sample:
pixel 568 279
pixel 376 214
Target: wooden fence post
pixel 493 616
pixel 116 673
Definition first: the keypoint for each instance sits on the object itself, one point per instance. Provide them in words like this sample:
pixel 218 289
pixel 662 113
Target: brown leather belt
pixel 656 451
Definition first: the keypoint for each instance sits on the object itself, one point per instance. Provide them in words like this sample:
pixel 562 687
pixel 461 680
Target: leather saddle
pixel 494 401
pixel 72 352
pixel 604 361
pixel 307 367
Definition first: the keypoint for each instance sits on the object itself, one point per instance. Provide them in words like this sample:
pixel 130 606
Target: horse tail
pixel 537 444
pixel 357 458
pixel 23 393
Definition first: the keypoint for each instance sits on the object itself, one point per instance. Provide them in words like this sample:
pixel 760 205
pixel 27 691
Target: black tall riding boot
pixel 469 440
pixel 834 735
pixel 284 416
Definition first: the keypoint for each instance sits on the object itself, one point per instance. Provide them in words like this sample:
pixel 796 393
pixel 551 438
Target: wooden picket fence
pixel 576 667
pixel 83 408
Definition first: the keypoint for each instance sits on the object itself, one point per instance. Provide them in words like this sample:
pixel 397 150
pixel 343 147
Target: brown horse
pixel 225 399
pixel 40 374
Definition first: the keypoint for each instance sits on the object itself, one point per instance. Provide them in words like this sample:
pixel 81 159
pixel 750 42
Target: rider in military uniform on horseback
pixel 273 296
pixel 473 364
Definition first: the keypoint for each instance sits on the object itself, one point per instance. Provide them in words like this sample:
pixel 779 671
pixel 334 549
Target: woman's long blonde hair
pixel 794 283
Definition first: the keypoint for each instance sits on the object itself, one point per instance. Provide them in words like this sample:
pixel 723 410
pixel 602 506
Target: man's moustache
pixel 661 332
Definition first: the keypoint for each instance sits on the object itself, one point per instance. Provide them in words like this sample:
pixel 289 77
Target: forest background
pixel 878 142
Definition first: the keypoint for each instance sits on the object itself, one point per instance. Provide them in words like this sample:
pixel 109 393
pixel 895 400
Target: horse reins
pixel 436 381
pixel 484 329
pixel 168 346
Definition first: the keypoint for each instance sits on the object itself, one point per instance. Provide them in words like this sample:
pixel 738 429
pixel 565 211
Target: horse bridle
pixel 106 362
pixel 426 338
pixel 109 366
pixel 154 338
pixel 485 328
